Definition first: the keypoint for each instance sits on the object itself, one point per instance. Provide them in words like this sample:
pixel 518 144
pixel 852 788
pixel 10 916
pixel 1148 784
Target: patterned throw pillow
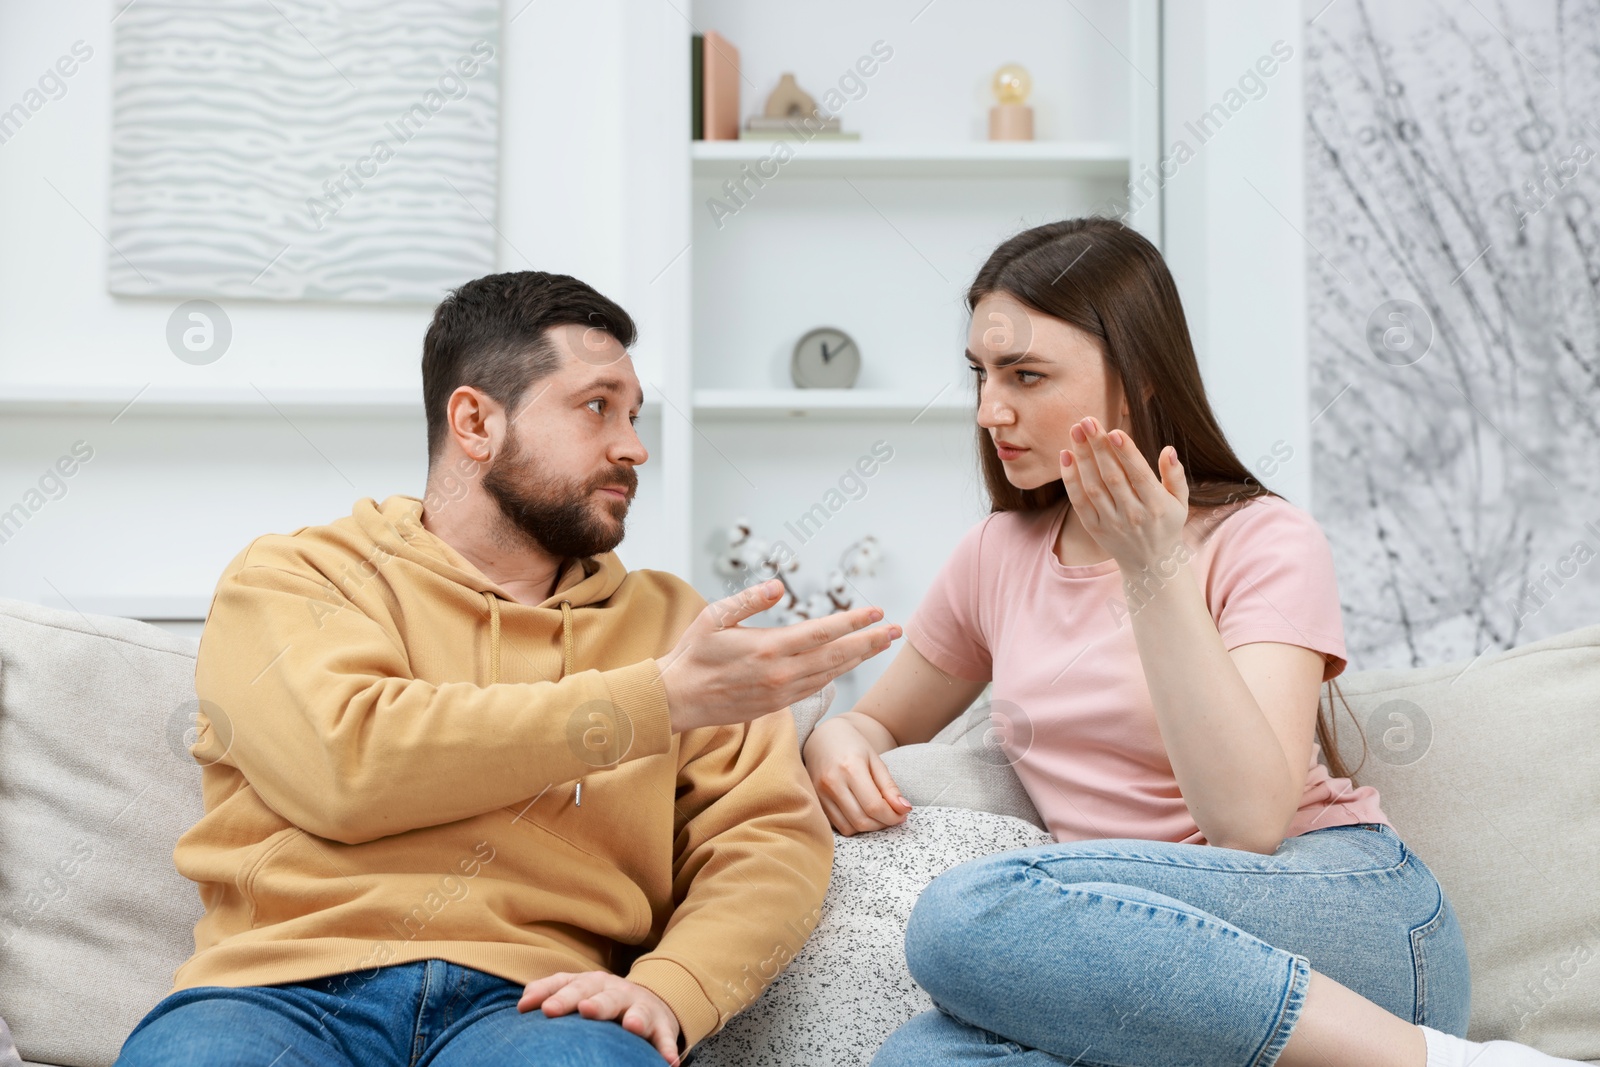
pixel 849 988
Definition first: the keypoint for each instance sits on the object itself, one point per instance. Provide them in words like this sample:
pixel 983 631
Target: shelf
pixel 131 401
pixel 909 406
pixel 982 159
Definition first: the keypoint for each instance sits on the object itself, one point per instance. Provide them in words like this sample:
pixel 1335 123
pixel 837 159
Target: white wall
pixel 1234 249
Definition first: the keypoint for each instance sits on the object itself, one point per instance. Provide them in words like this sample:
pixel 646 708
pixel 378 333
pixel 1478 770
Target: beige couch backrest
pixel 1490 770
pixel 96 785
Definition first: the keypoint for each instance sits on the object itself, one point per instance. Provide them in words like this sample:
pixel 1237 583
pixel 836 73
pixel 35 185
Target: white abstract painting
pixel 294 150
pixel 1453 225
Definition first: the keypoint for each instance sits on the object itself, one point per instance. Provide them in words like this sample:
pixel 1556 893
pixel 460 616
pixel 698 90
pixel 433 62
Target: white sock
pixel 1447 1050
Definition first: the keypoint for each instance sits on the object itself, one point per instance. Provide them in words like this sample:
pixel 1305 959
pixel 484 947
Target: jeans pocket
pixel 1443 975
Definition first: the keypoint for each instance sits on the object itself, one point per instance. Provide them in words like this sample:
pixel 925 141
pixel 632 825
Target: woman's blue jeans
pixel 423 1014
pixel 1129 953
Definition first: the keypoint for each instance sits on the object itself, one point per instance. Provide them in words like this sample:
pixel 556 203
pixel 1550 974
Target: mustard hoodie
pixel 400 762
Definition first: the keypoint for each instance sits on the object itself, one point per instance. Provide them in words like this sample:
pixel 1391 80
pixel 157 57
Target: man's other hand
pixel 603 995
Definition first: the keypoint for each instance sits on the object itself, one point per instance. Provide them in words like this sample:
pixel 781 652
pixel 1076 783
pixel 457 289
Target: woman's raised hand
pixel 855 787
pixel 1134 515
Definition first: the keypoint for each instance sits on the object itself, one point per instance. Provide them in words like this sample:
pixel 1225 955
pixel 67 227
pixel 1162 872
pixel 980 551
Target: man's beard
pixel 556 514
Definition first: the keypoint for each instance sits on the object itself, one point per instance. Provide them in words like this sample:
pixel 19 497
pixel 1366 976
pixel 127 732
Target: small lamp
pixel 1011 119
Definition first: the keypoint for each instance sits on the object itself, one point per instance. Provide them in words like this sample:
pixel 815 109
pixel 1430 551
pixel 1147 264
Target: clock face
pixel 826 358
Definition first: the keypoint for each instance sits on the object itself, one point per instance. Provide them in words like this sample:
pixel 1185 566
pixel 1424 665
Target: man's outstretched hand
pixel 603 995
pixel 721 672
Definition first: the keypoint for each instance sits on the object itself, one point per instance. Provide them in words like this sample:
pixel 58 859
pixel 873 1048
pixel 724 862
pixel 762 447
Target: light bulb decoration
pixel 1011 119
pixel 1012 84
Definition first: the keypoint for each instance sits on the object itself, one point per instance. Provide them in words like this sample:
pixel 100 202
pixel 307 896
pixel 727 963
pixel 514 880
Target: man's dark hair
pixel 490 334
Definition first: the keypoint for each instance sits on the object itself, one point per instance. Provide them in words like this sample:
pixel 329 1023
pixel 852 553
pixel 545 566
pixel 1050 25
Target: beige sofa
pixel 1491 773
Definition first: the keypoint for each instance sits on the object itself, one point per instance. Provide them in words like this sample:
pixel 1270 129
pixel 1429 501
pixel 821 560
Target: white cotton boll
pixel 818 606
pixel 862 558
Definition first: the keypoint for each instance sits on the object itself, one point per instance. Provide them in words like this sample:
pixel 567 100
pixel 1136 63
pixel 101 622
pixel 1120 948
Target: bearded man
pixel 470 783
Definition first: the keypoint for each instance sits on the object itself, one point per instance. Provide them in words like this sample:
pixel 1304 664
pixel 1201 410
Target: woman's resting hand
pixel 851 780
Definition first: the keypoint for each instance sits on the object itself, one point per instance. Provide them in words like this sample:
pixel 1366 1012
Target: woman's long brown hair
pixel 1109 281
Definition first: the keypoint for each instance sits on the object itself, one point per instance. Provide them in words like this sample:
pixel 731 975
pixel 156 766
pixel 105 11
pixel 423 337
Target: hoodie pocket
pixel 248 876
pixel 576 879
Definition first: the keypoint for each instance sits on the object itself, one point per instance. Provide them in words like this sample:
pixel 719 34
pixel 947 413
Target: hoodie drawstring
pixel 566 655
pixel 494 637
pixel 566 638
pixel 566 669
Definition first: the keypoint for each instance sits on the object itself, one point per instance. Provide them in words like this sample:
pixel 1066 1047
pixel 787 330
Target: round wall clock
pixel 825 358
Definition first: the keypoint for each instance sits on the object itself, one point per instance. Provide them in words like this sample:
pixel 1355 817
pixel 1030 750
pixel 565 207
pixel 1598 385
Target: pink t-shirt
pixel 1058 643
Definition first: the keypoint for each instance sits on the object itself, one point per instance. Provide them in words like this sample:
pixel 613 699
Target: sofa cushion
pixel 848 988
pixel 1490 771
pixel 96 785
pixel 964 766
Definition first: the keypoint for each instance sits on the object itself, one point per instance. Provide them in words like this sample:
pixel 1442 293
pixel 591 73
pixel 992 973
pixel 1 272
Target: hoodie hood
pixel 395 527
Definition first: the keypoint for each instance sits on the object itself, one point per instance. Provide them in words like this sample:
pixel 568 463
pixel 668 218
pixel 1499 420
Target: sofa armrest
pixel 960 775
pixel 810 711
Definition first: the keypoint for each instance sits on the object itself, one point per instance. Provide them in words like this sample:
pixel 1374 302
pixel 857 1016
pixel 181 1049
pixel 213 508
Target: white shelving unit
pixel 878 237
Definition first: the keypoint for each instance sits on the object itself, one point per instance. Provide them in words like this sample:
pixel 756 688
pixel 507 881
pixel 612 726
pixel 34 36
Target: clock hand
pixel 826 355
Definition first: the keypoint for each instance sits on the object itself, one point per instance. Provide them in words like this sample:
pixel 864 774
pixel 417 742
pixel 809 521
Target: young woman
pixel 1157 626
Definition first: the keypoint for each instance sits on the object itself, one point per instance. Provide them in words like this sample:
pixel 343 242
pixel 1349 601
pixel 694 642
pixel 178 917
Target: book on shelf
pixel 697 81
pixel 720 88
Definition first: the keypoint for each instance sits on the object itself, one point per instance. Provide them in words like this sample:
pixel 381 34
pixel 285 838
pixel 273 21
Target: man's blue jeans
pixel 1121 951
pixel 423 1014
